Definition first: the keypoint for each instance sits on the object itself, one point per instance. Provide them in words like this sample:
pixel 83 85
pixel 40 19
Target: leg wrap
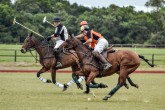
pixel 94 85
pixel 75 78
pixel 113 91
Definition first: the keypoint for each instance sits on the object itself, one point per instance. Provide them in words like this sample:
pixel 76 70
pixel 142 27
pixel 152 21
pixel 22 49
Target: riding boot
pixel 58 58
pixel 107 65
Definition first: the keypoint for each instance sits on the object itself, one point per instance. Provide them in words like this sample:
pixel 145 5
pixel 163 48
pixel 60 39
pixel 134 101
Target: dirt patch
pixel 22 66
pixel 18 65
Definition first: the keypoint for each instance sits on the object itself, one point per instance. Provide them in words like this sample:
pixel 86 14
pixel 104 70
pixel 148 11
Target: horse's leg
pixel 53 74
pixel 132 83
pixel 125 84
pixel 101 85
pixel 78 80
pixel 87 87
pixel 75 77
pixel 42 70
pixel 90 78
pixel 123 75
pixel 94 85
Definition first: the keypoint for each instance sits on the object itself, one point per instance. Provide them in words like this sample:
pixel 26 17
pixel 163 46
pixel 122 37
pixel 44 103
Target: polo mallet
pixel 14 21
pixel 44 20
pixel 93 94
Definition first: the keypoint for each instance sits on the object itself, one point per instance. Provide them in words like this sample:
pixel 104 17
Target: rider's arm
pixel 79 36
pixel 88 34
pixel 88 41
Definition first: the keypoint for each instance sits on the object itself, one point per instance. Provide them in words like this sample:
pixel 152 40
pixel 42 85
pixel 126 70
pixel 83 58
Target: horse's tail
pixel 146 60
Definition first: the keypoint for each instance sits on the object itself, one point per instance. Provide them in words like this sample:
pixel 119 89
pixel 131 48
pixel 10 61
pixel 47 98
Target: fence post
pixel 15 56
pixel 153 59
pixel 36 56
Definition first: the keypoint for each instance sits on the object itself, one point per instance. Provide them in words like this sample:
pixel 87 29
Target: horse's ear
pixel 70 34
pixel 31 34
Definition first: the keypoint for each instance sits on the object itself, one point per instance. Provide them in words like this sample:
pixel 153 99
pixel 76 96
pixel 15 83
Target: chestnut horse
pixel 48 60
pixel 124 62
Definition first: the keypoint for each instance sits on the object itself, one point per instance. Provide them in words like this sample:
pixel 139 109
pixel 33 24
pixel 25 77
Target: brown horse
pixel 48 60
pixel 124 62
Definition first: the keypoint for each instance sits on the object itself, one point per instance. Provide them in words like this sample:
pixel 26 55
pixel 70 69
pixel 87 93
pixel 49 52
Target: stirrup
pixel 107 66
pixel 58 65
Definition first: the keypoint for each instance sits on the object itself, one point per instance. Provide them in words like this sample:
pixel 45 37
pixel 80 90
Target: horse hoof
pixel 136 86
pixel 65 87
pixel 101 85
pixel 49 81
pixel 105 98
pixel 127 87
pixel 86 92
pixel 80 86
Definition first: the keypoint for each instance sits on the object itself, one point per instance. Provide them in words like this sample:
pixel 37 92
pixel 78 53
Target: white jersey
pixel 62 34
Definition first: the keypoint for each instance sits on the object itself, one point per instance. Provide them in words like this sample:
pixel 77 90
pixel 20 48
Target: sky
pixel 138 4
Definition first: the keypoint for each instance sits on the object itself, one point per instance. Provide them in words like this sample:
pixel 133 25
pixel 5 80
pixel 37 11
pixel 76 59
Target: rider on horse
pixel 83 38
pixel 60 35
pixel 97 41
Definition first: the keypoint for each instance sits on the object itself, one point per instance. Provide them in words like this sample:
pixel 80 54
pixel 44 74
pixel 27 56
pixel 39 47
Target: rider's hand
pixel 48 38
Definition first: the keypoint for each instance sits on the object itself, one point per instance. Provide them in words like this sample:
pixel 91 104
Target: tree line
pixel 120 25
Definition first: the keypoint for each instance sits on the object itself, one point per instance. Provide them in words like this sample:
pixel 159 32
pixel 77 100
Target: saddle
pixel 105 55
pixel 107 50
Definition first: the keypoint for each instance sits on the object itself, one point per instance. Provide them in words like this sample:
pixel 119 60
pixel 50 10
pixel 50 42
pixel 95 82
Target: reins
pixel 84 55
pixel 33 55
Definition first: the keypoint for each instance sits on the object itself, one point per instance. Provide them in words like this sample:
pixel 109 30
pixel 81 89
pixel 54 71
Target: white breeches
pixel 58 43
pixel 101 45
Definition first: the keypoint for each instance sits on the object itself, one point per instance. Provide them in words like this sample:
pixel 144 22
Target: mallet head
pixel 14 20
pixel 44 20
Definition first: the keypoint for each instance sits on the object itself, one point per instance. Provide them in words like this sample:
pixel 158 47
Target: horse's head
pixel 70 43
pixel 29 42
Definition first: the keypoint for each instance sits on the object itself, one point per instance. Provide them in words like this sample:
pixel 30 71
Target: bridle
pixel 31 48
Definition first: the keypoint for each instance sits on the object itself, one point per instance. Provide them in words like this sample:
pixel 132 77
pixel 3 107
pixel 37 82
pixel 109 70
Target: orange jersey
pixel 92 44
pixel 95 37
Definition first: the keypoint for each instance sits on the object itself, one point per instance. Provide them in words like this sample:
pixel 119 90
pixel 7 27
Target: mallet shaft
pixel 29 29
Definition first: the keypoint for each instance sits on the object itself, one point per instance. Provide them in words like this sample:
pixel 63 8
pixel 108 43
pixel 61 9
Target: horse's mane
pixel 84 45
pixel 43 42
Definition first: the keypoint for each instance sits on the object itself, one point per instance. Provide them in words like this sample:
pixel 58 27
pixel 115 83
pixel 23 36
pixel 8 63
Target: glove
pixel 48 38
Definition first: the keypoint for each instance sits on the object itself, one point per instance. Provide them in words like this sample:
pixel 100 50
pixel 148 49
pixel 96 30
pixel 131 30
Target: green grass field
pixel 25 92
pixel 147 52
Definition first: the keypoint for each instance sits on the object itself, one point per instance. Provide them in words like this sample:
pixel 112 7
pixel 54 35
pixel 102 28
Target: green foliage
pixel 155 3
pixel 117 24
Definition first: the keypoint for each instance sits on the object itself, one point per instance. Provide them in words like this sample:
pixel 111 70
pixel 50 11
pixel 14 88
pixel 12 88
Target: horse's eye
pixel 67 40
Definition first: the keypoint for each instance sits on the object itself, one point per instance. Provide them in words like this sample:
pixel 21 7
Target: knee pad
pixel 56 49
pixel 96 53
